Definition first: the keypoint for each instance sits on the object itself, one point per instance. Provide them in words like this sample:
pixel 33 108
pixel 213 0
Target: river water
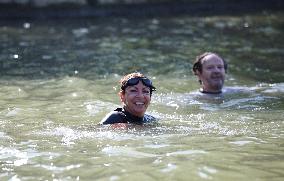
pixel 60 77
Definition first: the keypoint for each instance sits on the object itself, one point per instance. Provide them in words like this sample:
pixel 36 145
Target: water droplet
pixel 15 56
pixel 27 25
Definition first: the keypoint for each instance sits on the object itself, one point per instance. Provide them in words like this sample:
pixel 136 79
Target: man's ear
pixel 197 73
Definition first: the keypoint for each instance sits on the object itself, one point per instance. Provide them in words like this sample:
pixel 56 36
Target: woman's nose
pixel 139 93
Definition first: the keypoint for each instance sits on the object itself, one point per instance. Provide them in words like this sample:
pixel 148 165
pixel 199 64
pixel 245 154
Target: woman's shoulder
pixel 113 117
pixel 149 119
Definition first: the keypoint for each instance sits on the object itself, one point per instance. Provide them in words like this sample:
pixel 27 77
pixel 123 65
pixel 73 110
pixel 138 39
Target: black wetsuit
pixel 120 115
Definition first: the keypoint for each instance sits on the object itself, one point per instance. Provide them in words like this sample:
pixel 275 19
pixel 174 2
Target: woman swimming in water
pixel 135 94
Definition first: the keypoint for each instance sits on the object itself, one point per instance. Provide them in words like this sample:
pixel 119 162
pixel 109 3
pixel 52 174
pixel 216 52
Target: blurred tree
pixel 92 2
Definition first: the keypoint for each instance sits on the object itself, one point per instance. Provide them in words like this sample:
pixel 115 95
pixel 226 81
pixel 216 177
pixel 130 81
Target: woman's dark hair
pixel 124 80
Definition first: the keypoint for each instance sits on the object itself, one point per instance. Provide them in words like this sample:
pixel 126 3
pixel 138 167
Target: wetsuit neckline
pixel 208 92
pixel 130 117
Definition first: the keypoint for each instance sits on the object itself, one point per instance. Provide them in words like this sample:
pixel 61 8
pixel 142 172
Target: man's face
pixel 213 73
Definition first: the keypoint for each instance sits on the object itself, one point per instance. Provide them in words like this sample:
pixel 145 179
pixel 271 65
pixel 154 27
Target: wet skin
pixel 136 99
pixel 213 74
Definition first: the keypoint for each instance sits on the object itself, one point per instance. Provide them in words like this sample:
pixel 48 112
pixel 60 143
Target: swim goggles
pixel 134 81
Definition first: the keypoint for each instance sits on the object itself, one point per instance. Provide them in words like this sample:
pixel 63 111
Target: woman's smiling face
pixel 136 99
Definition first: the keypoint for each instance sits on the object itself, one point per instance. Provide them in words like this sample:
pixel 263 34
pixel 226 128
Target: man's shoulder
pixel 237 89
